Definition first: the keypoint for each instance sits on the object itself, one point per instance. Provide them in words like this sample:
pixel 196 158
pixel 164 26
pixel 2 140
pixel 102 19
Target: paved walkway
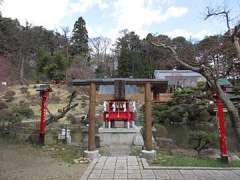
pixel 130 168
pixel 119 150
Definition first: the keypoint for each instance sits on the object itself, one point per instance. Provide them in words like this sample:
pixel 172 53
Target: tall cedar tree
pixel 130 57
pixel 79 39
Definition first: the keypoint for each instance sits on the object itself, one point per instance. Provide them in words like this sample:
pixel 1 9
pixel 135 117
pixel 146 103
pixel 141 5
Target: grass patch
pixel 104 151
pixel 7 139
pixel 164 159
pixel 65 153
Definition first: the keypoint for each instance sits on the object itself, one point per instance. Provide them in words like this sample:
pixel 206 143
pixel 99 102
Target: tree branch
pixel 233 34
pixel 176 56
pixel 225 13
pixel 49 112
pixel 68 107
pixel 55 118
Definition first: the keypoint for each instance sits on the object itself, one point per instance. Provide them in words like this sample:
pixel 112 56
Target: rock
pixel 149 155
pixel 166 143
pixel 138 140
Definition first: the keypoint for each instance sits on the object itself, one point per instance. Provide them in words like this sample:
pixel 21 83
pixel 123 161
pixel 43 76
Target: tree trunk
pixel 22 70
pixel 232 110
pixel 237 46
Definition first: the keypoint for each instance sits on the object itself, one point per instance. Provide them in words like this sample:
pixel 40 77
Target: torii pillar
pixel 92 153
pixel 148 153
pixel 148 117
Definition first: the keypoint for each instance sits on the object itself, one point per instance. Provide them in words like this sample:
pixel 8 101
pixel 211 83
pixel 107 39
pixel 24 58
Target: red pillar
pixel 222 130
pixel 43 95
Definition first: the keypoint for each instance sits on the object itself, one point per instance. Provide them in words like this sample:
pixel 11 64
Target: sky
pixel 108 17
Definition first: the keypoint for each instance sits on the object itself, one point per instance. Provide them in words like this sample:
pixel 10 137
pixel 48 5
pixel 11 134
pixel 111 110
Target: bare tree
pixel 100 47
pixel 208 73
pixel 66 39
pixel 24 51
pixel 100 52
pixel 232 33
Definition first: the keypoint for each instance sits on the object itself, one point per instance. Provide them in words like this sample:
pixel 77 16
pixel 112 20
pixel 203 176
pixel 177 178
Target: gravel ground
pixel 23 162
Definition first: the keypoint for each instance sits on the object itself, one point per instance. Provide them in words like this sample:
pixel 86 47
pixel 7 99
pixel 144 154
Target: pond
pixel 180 134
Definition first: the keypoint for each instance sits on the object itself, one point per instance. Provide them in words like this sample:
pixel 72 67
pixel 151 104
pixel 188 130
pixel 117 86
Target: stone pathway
pixel 119 150
pixel 130 168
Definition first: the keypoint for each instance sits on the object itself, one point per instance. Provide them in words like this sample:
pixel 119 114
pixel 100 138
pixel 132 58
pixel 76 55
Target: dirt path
pixel 23 162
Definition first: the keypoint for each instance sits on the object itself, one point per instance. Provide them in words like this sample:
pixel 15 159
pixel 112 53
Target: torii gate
pixel 92 153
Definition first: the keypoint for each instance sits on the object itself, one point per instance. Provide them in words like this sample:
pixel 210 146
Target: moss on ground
pixel 164 159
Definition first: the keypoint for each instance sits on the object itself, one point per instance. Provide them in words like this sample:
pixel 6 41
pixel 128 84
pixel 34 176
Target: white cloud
pixel 83 5
pixel 94 32
pixel 136 15
pixel 175 11
pixel 47 13
pixel 188 34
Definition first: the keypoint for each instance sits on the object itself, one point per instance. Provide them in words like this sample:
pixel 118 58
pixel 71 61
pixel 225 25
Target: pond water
pixel 180 134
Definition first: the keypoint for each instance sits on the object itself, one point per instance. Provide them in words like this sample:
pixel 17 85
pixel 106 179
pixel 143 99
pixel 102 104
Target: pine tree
pixel 130 58
pixel 79 39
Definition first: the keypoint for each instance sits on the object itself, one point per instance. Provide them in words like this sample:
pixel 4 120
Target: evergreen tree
pixel 80 38
pixel 51 66
pixel 131 60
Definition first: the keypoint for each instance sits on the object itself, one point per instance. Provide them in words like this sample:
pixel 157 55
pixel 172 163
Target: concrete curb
pixel 147 167
pixel 89 170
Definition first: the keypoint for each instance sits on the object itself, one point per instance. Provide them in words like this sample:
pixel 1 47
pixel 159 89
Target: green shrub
pixel 10 93
pixel 9 117
pixel 15 114
pixel 9 96
pixel 3 105
pixel 23 111
pixel 24 90
pixel 187 106
pixel 200 140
